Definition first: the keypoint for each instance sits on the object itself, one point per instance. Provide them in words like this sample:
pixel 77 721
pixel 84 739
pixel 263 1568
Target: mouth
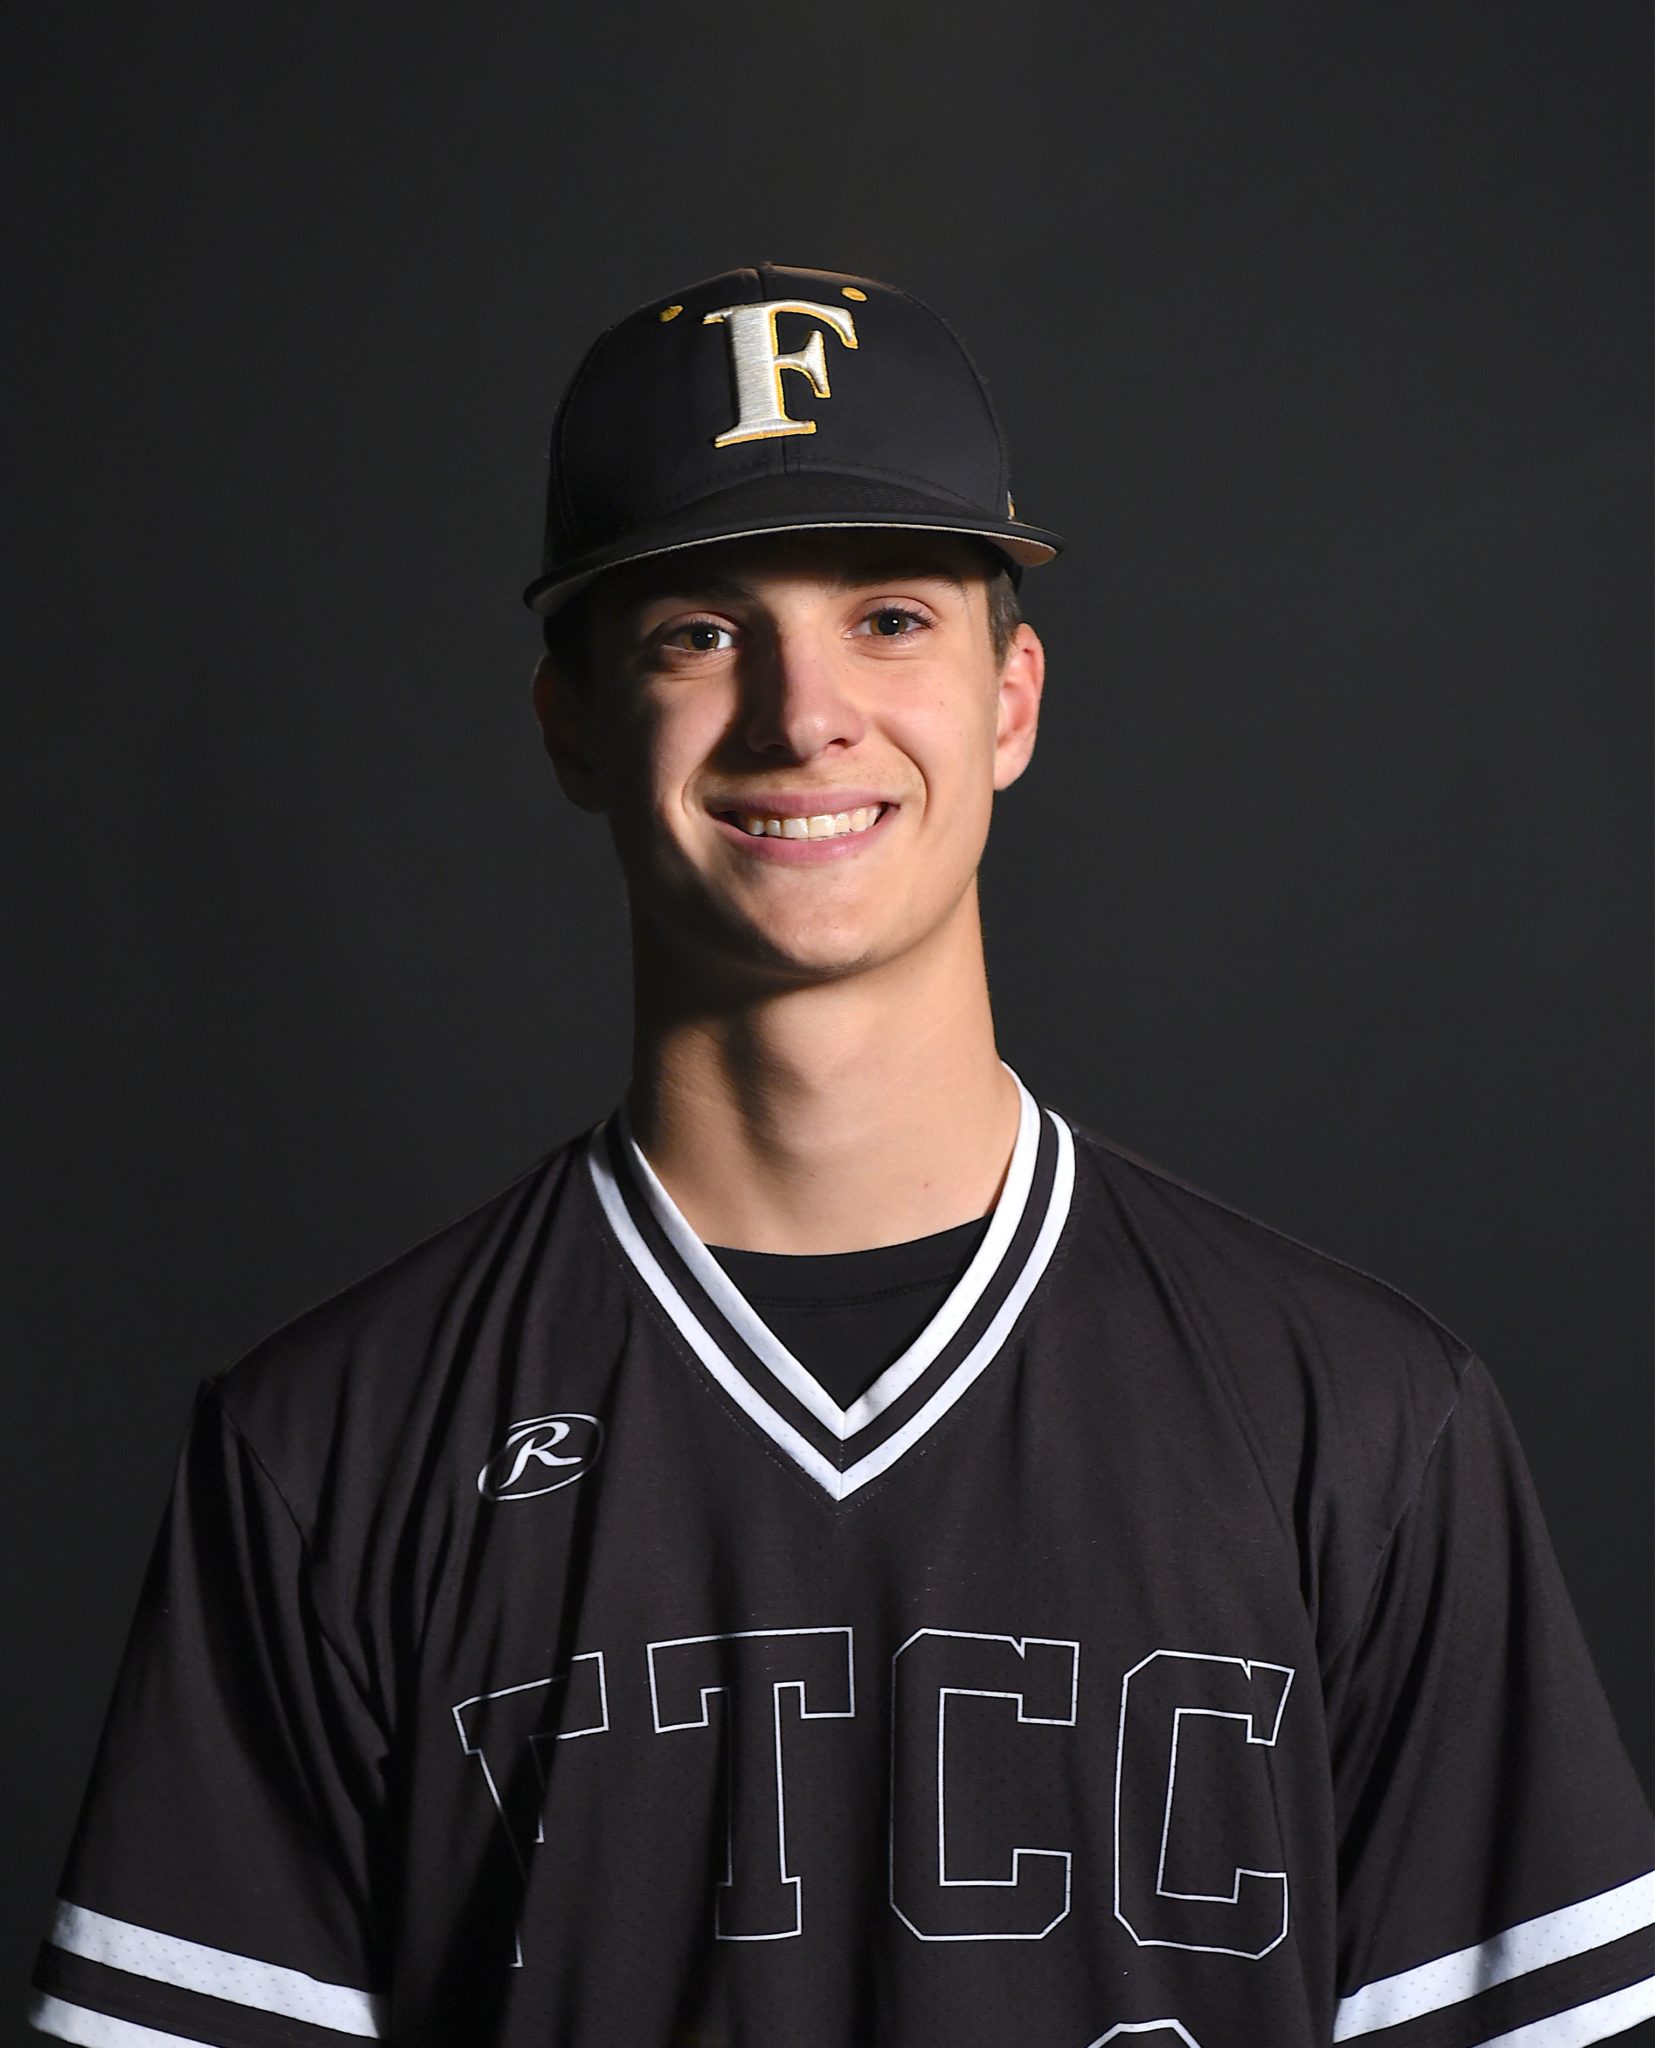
pixel 815 825
pixel 772 826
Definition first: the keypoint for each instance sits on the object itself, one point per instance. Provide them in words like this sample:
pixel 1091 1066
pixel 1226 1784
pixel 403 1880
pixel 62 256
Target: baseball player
pixel 838 1556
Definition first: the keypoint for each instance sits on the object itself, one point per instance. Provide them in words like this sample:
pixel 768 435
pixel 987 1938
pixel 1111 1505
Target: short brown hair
pixel 567 632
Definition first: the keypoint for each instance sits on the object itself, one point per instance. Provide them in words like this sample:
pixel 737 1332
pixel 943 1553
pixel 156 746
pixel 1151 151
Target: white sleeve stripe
pixel 1595 2021
pixel 97 2029
pixel 214 1972
pixel 1531 1945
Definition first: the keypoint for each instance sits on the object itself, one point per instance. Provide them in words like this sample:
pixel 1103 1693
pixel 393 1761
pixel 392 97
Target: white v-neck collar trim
pixel 898 1378
pixel 901 1374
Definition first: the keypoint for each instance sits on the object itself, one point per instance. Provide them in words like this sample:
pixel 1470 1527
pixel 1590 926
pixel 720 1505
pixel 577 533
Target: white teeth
pixel 823 825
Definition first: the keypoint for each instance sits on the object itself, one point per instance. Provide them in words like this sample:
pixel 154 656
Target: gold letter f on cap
pixel 758 364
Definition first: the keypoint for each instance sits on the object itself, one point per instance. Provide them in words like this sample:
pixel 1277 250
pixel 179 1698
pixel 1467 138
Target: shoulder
pixel 1232 1248
pixel 1225 1256
pixel 1338 1382
pixel 368 1364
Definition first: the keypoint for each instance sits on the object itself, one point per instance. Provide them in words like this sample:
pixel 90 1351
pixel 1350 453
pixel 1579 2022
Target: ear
pixel 565 729
pixel 1021 681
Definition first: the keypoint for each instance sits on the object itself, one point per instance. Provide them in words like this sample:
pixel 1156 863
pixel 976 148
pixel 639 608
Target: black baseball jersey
pixel 845 1316
pixel 1165 1649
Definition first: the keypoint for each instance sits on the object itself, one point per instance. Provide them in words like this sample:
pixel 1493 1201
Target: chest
pixel 1046 1679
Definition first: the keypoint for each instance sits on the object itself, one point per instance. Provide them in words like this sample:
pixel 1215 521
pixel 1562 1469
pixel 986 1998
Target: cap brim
pixel 814 504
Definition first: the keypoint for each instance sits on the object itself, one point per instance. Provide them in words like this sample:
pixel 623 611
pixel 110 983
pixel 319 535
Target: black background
pixel 1322 332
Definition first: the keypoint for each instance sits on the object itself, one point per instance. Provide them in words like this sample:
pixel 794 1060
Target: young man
pixel 838 1556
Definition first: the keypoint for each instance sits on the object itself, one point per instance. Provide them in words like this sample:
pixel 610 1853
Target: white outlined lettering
pixel 1158 1696
pixel 758 1898
pixel 510 1733
pixel 934 1898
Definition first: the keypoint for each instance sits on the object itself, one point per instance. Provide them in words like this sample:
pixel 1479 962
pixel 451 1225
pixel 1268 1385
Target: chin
pixel 800 960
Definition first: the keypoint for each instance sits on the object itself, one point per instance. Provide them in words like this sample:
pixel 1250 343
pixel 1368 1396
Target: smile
pixel 822 825
pixel 772 827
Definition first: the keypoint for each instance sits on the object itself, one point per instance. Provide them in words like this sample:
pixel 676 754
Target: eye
pixel 895 622
pixel 699 636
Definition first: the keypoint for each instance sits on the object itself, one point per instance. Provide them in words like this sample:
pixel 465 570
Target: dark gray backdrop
pixel 1322 331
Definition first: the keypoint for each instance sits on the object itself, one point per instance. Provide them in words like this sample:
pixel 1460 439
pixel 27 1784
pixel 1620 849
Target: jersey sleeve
pixel 1494 1843
pixel 219 1887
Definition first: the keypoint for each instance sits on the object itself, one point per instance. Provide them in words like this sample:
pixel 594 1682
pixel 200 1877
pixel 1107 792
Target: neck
pixel 831 1117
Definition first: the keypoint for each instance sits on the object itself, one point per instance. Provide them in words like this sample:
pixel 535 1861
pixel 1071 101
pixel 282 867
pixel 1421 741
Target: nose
pixel 798 701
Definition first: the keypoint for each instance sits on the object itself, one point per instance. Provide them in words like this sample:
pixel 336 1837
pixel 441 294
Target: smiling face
pixel 796 740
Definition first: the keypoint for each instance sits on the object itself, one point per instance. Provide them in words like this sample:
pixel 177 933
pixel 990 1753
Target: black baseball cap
pixel 766 400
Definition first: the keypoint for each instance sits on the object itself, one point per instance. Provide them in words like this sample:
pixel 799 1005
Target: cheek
pixel 972 795
pixel 654 759
pixel 953 747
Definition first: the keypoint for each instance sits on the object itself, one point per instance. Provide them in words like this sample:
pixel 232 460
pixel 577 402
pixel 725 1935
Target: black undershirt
pixel 845 1316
